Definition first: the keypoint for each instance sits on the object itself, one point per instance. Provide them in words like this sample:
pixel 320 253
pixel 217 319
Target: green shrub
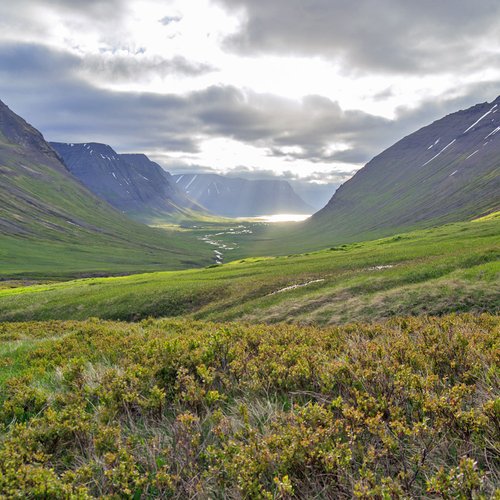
pixel 182 409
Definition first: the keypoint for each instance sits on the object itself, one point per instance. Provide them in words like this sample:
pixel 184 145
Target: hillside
pixel 50 224
pixel 452 268
pixel 132 183
pixel 447 171
pixel 236 197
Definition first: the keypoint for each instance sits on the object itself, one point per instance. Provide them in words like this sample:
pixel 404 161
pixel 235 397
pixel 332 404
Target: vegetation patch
pixel 184 409
pixel 436 271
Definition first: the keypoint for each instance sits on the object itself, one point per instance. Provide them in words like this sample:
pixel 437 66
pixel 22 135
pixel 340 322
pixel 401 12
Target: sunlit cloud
pixel 314 91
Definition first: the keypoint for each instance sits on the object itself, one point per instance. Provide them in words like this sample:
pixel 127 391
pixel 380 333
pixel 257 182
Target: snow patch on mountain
pixel 482 117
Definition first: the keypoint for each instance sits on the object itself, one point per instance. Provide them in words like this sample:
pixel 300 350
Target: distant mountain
pixel 131 183
pixel 51 223
pixel 315 195
pixel 236 197
pixel 447 171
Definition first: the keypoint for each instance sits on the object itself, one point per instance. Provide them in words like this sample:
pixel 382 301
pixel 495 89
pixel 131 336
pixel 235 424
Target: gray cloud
pixel 279 124
pixel 170 19
pixel 119 59
pixel 383 95
pixel 44 86
pixel 94 10
pixel 320 178
pixel 133 67
pixel 372 35
pixel 26 18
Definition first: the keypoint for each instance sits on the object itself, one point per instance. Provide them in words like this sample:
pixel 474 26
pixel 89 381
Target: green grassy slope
pixel 50 225
pixel 448 171
pixel 184 409
pixel 450 268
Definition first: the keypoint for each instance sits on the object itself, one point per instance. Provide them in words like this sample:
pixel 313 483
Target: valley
pixel 434 271
pixel 201 336
pixel 52 227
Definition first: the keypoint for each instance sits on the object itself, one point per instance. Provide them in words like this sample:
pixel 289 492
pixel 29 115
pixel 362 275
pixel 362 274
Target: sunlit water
pixel 279 218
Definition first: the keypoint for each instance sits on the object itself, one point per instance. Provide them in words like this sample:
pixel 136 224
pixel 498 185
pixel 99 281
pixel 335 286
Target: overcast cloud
pixel 292 88
pixel 64 105
pixel 373 35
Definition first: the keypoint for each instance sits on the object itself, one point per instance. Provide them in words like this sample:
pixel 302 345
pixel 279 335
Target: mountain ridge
pixel 132 183
pixel 444 172
pixel 239 197
pixel 50 222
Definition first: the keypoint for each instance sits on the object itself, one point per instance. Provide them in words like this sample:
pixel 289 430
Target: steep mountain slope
pixel 447 171
pixel 131 183
pixel 50 223
pixel 236 197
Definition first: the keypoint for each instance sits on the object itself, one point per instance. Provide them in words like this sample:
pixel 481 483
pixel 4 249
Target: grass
pixel 434 271
pixel 25 258
pixel 51 227
pixel 184 409
pixel 315 234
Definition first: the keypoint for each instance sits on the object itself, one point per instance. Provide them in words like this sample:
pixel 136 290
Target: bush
pixel 180 409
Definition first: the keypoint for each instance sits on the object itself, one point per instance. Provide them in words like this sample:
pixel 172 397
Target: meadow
pixel 386 386
pixel 435 271
pixel 25 259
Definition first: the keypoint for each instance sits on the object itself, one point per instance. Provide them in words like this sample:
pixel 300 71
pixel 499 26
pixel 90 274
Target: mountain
pixel 314 194
pixel 50 223
pixel 445 172
pixel 132 183
pixel 236 197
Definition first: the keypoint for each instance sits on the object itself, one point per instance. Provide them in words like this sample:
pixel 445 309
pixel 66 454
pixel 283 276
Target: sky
pixel 305 90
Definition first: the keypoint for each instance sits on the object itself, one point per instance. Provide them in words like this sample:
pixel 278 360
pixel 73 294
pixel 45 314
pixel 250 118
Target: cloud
pixel 51 93
pixel 138 67
pixel 101 33
pixel 25 19
pixel 319 178
pixel 390 36
pixel 170 19
pixel 286 128
pixel 90 10
pixel 45 87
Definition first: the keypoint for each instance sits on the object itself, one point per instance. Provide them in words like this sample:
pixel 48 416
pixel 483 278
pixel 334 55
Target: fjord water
pixel 278 218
